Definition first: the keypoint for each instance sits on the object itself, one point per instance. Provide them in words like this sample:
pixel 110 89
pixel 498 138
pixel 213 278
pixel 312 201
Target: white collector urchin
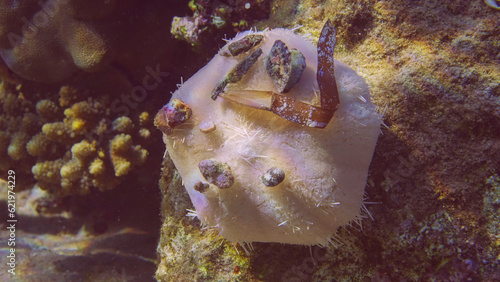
pixel 267 148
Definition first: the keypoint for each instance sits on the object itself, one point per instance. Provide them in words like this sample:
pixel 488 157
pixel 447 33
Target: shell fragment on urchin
pixel 326 169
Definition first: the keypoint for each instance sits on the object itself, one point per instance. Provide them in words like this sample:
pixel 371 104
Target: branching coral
pixel 125 155
pixel 71 144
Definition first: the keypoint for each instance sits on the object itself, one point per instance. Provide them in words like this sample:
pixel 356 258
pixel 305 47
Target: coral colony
pixel 273 139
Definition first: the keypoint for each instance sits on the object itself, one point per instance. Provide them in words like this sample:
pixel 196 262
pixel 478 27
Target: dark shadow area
pixel 358 29
pixel 109 267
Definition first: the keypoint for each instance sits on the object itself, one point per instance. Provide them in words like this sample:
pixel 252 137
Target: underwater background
pixel 97 199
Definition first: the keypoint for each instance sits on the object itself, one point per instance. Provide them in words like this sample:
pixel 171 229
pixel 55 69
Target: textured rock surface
pixel 433 64
pixel 211 20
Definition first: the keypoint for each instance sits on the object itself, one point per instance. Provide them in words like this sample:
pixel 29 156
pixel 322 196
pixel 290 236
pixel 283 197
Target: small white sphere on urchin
pixel 290 183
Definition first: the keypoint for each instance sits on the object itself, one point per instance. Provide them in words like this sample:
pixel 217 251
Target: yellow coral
pixel 143 118
pixel 47 109
pixel 101 127
pixel 59 131
pixel 124 155
pixel 17 146
pixel 48 174
pixel 84 109
pixel 96 167
pixel 68 95
pixel 122 124
pixel 144 133
pixel 122 166
pixel 38 145
pixel 71 170
pixel 57 142
pixel 83 149
pixel 121 143
pixel 77 124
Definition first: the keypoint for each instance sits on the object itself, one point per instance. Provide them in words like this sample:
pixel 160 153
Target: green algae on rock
pixel 432 65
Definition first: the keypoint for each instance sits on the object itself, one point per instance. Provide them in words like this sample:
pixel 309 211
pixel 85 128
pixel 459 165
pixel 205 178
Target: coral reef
pixel 71 140
pixel 51 40
pixel 90 152
pixel 73 79
pixel 433 185
pixel 74 76
pixel 88 130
